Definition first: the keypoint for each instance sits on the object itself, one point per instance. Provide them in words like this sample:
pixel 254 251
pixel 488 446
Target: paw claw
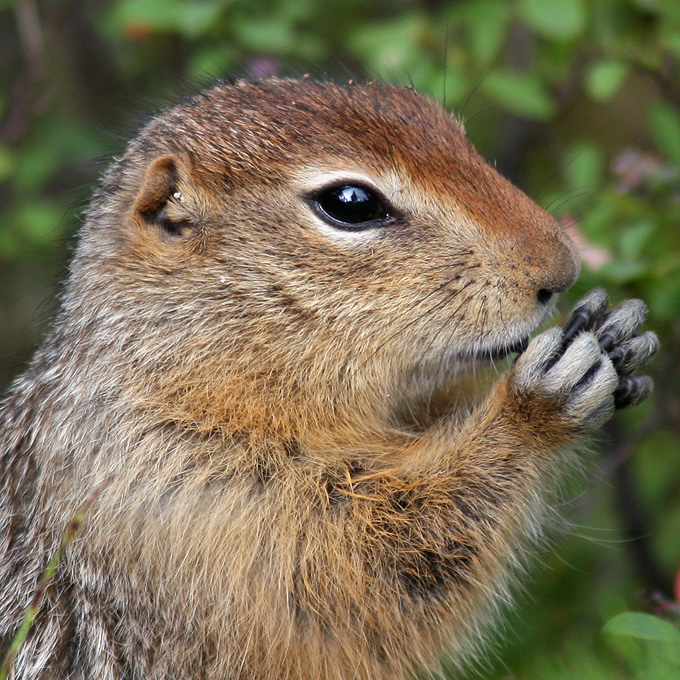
pixel 607 342
pixel 621 323
pixel 587 314
pixel 635 353
pixel 632 390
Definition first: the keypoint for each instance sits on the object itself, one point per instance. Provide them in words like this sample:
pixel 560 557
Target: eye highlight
pixel 351 206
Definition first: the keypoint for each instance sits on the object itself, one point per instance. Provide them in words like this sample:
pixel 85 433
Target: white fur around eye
pixel 315 179
pixel 359 236
pixel 315 182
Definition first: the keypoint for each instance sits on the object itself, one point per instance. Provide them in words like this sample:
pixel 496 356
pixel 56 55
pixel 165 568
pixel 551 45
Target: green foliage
pixel 558 19
pixel 664 121
pixel 605 77
pixel 523 94
pixel 190 18
pixel 642 627
pixel 578 101
pixel 655 652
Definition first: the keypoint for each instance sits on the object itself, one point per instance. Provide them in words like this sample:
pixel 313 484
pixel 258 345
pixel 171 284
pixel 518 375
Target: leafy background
pixel 577 101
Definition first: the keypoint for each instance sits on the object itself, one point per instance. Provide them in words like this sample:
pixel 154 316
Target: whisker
pixel 566 200
pixel 417 319
pixel 445 324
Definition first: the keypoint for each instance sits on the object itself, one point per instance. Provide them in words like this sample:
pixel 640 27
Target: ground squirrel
pixel 275 291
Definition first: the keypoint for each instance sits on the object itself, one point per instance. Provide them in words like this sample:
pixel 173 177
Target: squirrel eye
pixel 351 206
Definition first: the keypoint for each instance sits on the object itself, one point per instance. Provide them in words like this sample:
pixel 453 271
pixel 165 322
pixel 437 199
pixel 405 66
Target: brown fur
pixel 296 493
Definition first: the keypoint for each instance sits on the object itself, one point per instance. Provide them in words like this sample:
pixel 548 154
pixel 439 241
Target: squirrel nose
pixel 544 296
pixel 560 272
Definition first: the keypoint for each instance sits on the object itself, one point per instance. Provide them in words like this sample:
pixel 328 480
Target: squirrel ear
pixel 159 202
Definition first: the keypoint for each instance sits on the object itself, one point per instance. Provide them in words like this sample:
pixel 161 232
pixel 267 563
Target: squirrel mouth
pixel 502 352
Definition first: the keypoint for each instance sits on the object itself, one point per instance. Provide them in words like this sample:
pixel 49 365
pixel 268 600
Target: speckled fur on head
pixel 288 500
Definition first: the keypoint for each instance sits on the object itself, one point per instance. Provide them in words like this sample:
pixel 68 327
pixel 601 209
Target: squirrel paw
pixel 585 367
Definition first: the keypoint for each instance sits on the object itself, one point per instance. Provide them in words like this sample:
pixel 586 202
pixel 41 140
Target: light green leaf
pixel 519 93
pixel 642 627
pixel 388 47
pixel 605 78
pixel 268 36
pixel 664 120
pixel 39 222
pixel 557 19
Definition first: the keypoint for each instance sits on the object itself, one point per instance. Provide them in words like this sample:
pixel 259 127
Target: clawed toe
pixel 634 353
pixel 620 324
pixel 632 390
pixel 587 314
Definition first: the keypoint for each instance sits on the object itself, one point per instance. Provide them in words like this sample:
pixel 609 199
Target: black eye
pixel 351 206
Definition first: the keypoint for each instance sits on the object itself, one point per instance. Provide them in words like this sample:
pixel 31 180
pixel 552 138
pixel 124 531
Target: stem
pixel 32 610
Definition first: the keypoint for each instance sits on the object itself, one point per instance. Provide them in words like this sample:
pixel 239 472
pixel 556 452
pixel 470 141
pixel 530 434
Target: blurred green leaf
pixel 584 170
pixel 643 627
pixel 186 17
pixel 605 78
pixel 39 222
pixel 558 19
pixel 523 94
pixel 487 23
pixel 214 60
pixel 265 35
pixel 634 238
pixel 620 271
pixel 389 46
pixel 664 120
pixel 57 139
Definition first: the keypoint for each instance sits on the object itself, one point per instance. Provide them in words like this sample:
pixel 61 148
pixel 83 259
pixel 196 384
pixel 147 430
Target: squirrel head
pixel 297 256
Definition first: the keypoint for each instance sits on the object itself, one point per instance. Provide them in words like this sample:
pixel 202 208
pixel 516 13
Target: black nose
pixel 544 296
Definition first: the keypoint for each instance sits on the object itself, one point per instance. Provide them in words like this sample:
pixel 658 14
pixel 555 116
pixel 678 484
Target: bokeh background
pixel 576 101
